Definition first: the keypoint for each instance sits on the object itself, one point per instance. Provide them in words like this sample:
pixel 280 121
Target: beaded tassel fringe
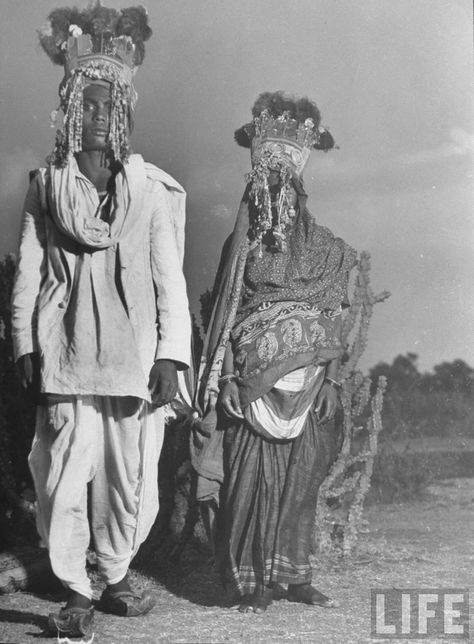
pixel 271 216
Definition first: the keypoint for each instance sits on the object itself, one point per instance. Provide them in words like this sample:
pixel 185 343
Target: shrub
pixel 400 475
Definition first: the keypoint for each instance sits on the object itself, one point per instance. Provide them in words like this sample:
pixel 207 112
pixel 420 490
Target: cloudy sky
pixel 393 80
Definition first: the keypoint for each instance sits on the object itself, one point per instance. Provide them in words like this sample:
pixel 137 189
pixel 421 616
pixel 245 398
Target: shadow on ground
pixel 191 575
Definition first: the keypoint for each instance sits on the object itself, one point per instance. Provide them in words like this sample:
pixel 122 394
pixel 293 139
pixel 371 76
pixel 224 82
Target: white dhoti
pixel 113 444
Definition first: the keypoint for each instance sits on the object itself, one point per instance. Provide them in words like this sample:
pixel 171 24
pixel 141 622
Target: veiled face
pixel 274 184
pixel 96 117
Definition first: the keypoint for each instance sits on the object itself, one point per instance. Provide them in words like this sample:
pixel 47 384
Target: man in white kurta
pixel 100 317
pixel 98 300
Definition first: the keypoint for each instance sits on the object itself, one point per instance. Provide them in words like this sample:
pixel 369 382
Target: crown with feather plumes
pixel 95 44
pixel 97 36
pixel 284 127
pixel 283 132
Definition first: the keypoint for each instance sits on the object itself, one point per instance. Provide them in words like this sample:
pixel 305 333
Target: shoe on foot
pixel 126 603
pixel 307 594
pixel 71 622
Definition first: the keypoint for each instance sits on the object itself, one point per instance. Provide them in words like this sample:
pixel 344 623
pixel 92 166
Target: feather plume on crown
pixel 101 23
pixel 277 115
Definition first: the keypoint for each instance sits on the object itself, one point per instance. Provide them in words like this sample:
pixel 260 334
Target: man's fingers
pixel 27 380
pixel 164 392
pixel 162 382
pixel 164 398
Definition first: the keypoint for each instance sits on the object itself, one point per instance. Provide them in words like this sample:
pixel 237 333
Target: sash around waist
pixel 279 337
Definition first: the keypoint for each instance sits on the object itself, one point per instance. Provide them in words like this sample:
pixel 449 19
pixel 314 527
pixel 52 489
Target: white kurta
pixel 97 429
pixel 149 261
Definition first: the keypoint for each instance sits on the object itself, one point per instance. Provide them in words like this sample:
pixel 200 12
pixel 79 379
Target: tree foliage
pixel 438 403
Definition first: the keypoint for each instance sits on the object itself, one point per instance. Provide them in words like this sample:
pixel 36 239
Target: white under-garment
pixel 274 418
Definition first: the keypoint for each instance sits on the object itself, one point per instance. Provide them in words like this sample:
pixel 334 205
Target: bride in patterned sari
pixel 268 385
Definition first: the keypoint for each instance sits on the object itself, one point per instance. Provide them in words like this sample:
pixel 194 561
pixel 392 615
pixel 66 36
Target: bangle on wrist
pixel 228 377
pixel 333 383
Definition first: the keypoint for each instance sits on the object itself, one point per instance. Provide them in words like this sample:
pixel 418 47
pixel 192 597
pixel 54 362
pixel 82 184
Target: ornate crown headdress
pixel 283 132
pixel 283 136
pixel 96 44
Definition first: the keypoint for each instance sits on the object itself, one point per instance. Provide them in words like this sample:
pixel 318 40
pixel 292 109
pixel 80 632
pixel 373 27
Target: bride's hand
pixel 326 403
pixel 229 400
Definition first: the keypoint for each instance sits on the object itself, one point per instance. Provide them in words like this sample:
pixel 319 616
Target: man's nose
pixel 101 113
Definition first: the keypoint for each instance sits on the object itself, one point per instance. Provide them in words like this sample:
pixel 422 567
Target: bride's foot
pixel 245 604
pixel 307 594
pixel 257 602
pixel 262 600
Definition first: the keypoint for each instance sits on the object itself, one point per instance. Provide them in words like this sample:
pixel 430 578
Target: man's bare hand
pixel 29 371
pixel 163 382
pixel 29 368
pixel 229 400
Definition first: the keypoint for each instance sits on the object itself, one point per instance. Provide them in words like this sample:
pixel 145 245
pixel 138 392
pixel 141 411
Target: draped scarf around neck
pixel 74 203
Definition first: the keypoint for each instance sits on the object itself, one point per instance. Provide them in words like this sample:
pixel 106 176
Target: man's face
pixel 96 117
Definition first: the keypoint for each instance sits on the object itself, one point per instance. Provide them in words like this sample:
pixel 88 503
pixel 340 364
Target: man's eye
pixel 88 107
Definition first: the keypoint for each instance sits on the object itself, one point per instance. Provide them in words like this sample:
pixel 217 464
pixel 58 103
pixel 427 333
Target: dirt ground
pixel 424 544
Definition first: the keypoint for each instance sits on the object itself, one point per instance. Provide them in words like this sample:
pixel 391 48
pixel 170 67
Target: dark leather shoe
pixel 126 603
pixel 71 622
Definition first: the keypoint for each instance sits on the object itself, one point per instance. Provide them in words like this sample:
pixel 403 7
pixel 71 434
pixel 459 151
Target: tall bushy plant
pixel 342 494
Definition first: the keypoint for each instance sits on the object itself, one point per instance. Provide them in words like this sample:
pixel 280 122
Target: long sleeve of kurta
pixel 174 322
